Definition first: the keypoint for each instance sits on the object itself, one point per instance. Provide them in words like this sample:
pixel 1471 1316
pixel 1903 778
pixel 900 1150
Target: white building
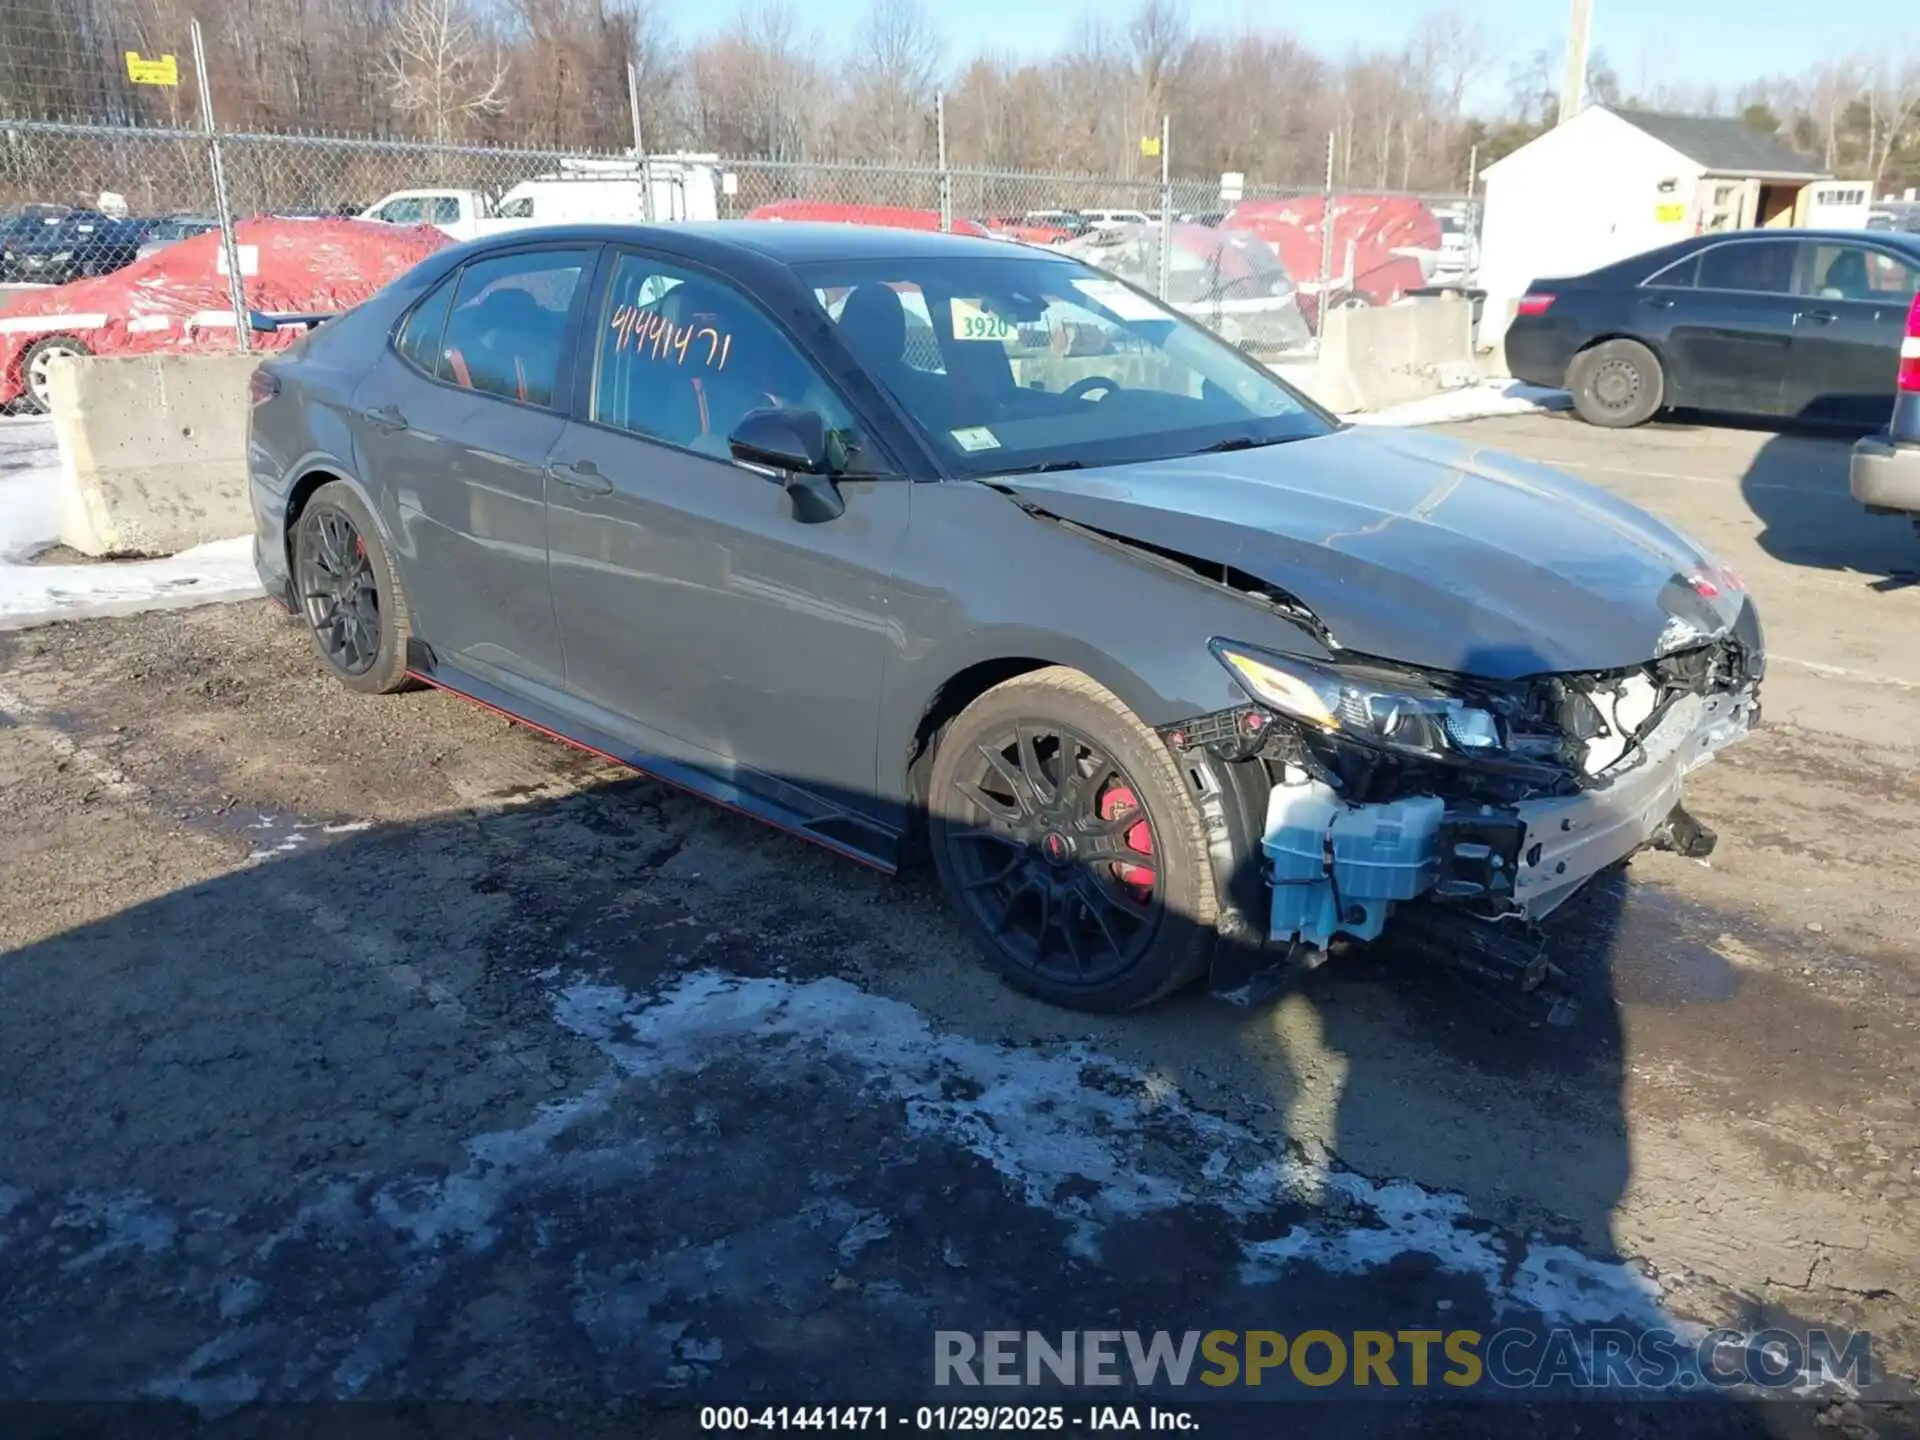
pixel 1612 182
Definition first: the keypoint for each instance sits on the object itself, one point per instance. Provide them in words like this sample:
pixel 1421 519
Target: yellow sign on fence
pixel 1667 214
pixel 1149 145
pixel 163 70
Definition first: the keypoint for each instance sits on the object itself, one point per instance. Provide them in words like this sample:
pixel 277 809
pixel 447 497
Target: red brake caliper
pixel 1119 801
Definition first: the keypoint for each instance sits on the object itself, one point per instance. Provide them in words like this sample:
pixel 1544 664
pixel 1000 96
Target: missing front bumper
pixel 1341 870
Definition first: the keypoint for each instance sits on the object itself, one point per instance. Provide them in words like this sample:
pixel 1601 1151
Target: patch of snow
pixel 125 1222
pixel 1091 1139
pixel 1475 402
pixel 30 522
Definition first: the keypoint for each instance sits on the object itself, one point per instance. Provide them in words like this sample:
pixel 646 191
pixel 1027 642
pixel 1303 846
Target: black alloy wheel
pixel 339 590
pixel 1059 861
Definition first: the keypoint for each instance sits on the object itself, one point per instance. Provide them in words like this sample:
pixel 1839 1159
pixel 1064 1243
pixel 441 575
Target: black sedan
pixel 80 243
pixel 1801 323
pixel 892 538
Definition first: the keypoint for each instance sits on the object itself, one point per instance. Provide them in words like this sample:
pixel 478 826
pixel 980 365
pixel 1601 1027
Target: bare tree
pixel 436 70
pixel 1892 95
pixel 895 65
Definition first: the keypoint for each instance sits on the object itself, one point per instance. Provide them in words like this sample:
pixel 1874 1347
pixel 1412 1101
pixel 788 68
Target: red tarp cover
pixel 177 300
pixel 1374 225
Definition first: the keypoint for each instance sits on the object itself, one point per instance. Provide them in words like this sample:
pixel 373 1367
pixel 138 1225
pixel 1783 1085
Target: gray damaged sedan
pixel 894 539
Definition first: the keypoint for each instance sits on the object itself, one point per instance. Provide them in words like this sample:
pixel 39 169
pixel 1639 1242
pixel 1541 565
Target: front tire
pixel 34 367
pixel 350 594
pixel 1617 384
pixel 1069 845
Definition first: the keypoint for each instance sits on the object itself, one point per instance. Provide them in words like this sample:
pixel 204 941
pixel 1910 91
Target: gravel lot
pixel 378 1048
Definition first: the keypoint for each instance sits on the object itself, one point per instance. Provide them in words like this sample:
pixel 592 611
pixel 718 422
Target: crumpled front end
pixel 1497 805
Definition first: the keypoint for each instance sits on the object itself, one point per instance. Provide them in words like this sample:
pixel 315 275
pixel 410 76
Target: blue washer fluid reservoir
pixel 1339 868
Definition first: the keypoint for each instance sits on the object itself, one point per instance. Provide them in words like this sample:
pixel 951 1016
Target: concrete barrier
pixel 1371 359
pixel 153 451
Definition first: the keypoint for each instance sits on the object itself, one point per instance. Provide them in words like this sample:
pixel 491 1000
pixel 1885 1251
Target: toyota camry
pixel 916 543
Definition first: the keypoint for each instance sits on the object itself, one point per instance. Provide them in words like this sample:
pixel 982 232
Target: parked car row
pixel 1812 325
pixel 50 245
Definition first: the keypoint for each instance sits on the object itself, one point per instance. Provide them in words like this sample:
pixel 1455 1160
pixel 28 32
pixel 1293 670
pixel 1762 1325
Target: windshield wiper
pixel 1243 442
pixel 1042 468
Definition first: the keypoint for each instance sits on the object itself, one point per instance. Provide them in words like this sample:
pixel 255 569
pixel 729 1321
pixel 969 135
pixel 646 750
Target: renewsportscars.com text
pixel 1510 1359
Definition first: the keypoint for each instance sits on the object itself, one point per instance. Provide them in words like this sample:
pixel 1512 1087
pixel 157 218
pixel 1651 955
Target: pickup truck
pixel 583 191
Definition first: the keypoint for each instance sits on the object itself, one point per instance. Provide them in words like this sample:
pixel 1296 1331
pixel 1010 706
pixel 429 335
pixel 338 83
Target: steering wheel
pixel 1087 384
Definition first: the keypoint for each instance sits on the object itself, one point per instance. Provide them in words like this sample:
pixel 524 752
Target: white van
pixel 580 192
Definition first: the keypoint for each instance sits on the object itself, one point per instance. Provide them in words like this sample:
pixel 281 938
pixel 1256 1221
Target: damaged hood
pixel 1421 549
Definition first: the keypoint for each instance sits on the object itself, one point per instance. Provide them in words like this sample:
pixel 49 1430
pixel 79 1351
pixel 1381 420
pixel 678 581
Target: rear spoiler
pixel 264 322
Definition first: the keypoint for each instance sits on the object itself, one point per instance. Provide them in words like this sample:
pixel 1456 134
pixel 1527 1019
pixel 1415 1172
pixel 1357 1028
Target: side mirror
pixel 793 442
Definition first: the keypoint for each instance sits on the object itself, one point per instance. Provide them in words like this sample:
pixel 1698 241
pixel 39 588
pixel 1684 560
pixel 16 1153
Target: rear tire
pixel 1617 384
pixel 1069 845
pixel 347 590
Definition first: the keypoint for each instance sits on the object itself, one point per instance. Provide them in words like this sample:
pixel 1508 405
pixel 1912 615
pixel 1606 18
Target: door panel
pixel 1729 338
pixel 1852 318
pixel 461 457
pixel 689 598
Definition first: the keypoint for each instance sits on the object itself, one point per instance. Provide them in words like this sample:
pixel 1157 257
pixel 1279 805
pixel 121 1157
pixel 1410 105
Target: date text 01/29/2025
pixel 945 1419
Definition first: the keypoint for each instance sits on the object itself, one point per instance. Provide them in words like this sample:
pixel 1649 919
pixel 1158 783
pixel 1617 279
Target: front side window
pixel 1853 272
pixel 1754 266
pixel 508 324
pixel 1045 361
pixel 519 209
pixel 401 212
pixel 681 357
pixel 445 210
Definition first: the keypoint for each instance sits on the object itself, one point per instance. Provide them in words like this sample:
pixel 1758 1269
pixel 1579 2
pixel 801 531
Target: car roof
pixel 1838 237
pixel 787 242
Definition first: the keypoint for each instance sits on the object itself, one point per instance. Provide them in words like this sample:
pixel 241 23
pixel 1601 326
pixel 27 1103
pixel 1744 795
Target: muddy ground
pixel 376 1048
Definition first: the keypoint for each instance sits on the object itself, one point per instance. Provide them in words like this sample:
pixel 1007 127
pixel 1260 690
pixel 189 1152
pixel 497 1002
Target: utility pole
pixel 1573 86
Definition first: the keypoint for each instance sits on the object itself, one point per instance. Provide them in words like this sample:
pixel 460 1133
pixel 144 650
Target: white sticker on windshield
pixel 976 437
pixel 1119 299
pixel 972 322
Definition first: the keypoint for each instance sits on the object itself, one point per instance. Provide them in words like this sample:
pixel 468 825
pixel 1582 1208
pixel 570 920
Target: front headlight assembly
pixel 1382 708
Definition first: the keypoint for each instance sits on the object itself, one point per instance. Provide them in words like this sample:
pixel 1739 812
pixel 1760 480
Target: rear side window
pixel 1681 275
pixel 445 210
pixel 509 322
pixel 419 342
pixel 1754 266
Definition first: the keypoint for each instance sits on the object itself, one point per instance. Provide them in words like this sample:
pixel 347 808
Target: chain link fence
pixel 1260 265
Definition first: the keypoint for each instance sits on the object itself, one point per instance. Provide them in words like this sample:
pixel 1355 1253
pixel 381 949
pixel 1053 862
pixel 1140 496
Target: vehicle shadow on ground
pixel 1796 487
pixel 363 1118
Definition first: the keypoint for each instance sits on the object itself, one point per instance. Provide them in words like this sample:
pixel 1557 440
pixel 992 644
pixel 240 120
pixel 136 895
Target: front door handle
pixel 385 417
pixel 1816 317
pixel 1658 302
pixel 581 475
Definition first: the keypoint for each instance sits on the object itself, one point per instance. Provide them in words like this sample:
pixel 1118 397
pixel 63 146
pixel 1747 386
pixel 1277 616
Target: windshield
pixel 1034 360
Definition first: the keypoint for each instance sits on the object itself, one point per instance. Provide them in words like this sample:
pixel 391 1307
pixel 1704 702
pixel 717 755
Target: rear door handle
pixel 581 475
pixel 385 417
pixel 1816 317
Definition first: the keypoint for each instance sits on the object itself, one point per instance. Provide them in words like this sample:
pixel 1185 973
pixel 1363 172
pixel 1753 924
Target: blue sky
pixel 1720 42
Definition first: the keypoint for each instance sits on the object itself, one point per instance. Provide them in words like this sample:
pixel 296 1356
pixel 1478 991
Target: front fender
pixel 991 582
